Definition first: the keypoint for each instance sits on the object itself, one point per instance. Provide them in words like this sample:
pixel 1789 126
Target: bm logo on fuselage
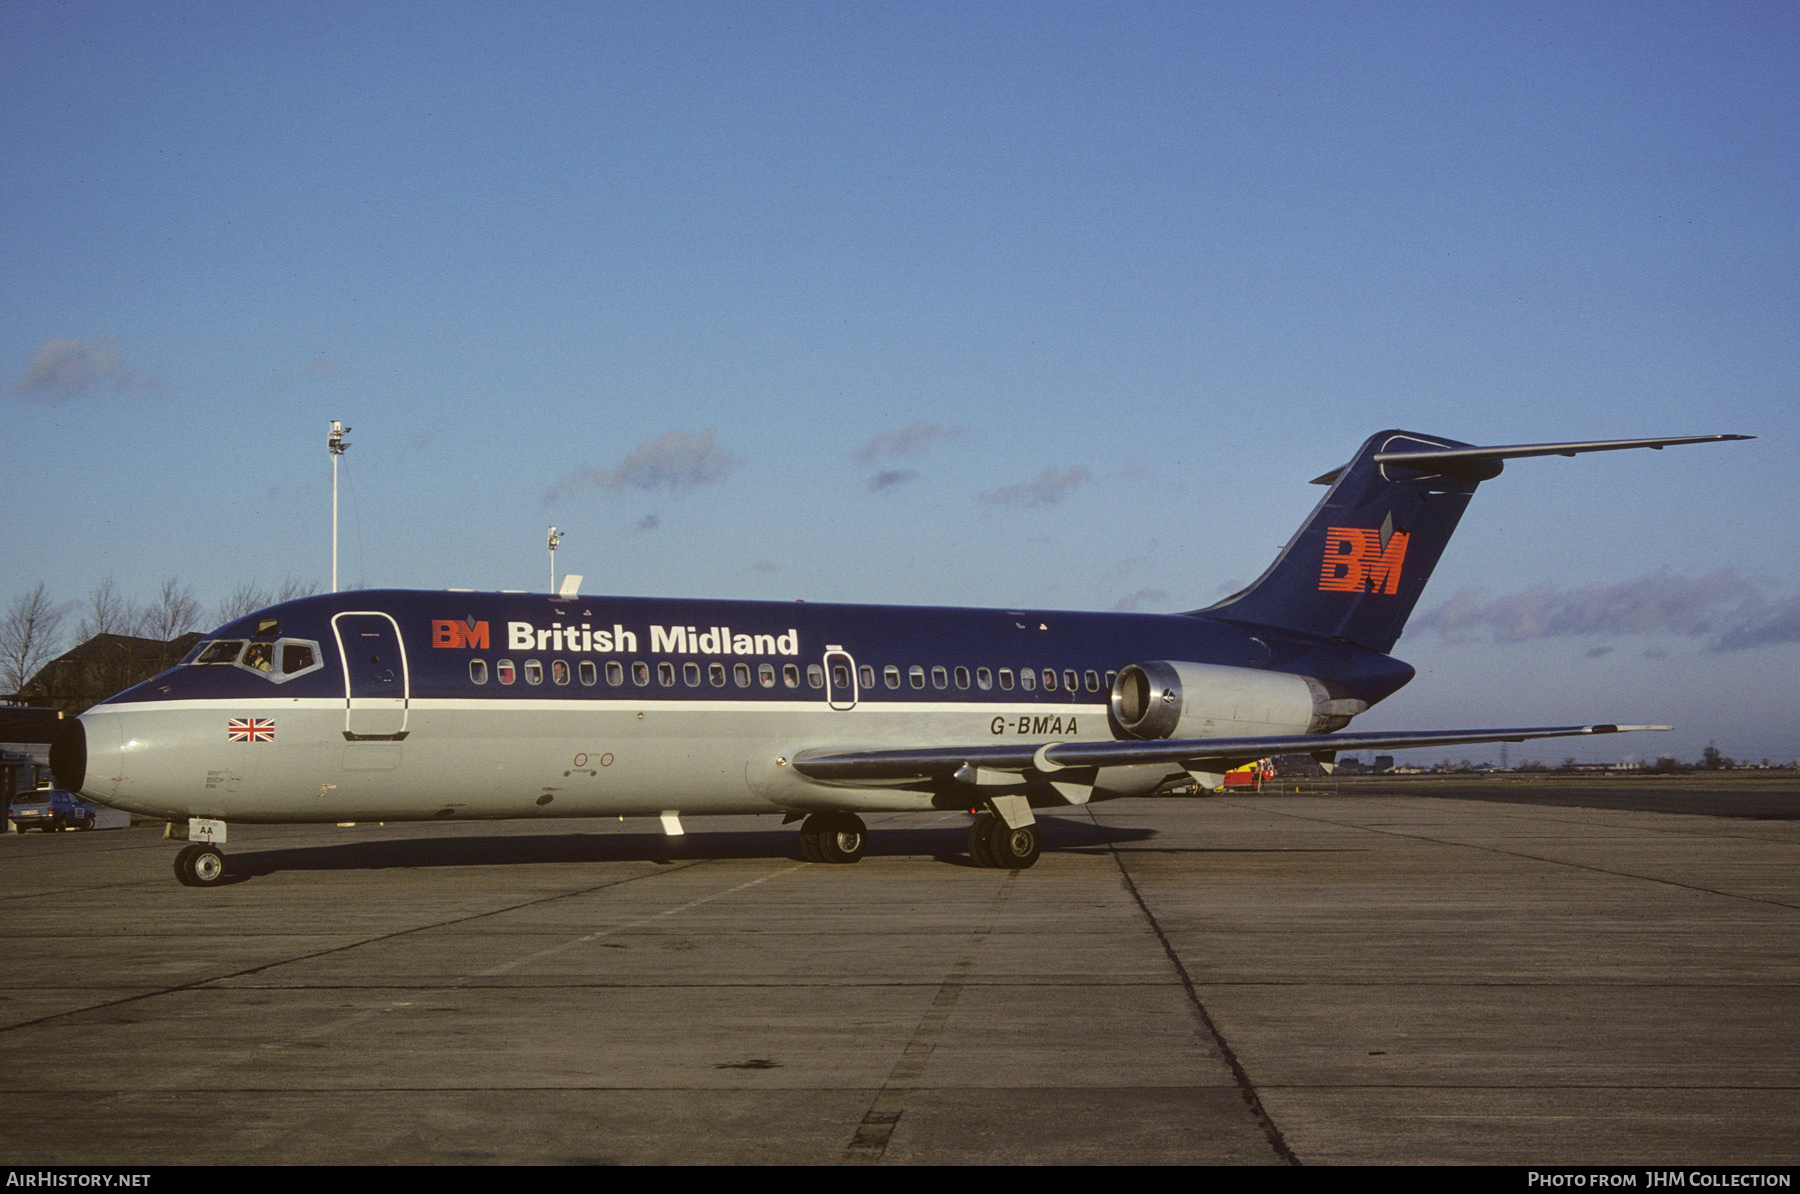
pixel 469 635
pixel 1357 561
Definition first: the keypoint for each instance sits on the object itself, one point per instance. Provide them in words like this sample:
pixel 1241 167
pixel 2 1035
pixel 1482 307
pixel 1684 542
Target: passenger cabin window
pixel 478 671
pixel 866 674
pixel 740 672
pixel 590 674
pixel 890 676
pixel 984 679
pixel 640 673
pixel 504 670
pixel 715 672
pixel 534 672
pixel 939 677
pixel 690 672
pixel 1049 679
pixel 1027 679
pixel 815 676
pixel 559 671
pixel 1093 680
pixel 840 675
pixel 1071 681
pixel 615 673
pixel 765 674
pixel 1006 678
pixel 665 674
pixel 962 677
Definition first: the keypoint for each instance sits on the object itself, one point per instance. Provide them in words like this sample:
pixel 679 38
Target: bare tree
pixel 249 597
pixel 174 612
pixel 29 637
pixel 295 587
pixel 108 613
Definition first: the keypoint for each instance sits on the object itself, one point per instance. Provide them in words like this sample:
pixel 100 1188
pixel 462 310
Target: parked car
pixel 51 810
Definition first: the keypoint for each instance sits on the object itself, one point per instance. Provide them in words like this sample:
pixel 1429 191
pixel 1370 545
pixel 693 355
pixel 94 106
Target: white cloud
pixel 1050 487
pixel 1730 609
pixel 672 462
pixel 68 368
pixel 910 440
pixel 1142 598
pixel 888 478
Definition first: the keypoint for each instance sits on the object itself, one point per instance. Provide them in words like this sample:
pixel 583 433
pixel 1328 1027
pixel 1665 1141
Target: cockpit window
pixel 224 651
pixel 277 662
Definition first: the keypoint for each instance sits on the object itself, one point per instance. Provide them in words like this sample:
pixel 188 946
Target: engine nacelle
pixel 1174 699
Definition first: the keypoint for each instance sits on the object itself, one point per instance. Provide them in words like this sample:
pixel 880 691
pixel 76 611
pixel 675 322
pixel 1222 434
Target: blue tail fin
pixel 1356 568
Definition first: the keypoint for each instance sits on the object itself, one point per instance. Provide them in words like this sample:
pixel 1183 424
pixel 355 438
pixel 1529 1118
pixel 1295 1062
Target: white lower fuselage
pixel 472 758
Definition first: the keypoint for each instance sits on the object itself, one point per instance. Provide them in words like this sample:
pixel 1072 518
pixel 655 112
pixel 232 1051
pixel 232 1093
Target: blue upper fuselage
pixel 525 646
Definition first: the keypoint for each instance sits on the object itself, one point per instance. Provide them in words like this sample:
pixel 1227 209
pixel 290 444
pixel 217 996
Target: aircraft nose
pixel 88 757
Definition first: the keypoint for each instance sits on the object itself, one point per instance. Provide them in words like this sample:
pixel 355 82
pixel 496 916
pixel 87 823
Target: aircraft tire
pixel 200 866
pixel 809 845
pixel 843 838
pixel 1015 849
pixel 981 838
pixel 182 875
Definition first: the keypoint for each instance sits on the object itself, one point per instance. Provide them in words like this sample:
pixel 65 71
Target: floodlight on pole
pixel 335 443
pixel 555 538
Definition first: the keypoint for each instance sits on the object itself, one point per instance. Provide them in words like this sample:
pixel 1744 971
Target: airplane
pixel 394 705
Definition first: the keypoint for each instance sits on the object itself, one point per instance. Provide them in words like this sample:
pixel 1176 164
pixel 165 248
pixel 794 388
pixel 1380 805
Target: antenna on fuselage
pixel 335 443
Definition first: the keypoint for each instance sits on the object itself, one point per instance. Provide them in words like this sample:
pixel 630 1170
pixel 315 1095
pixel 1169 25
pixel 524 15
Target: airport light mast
pixel 555 538
pixel 335 443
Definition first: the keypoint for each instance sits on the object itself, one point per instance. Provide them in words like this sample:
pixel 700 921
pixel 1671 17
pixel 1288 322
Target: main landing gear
pixel 993 843
pixel 833 837
pixel 200 865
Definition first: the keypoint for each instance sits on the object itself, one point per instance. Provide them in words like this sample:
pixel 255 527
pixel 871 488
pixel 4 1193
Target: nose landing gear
pixel 201 865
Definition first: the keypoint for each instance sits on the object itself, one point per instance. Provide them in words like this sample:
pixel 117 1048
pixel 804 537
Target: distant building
pixel 25 736
pixel 104 665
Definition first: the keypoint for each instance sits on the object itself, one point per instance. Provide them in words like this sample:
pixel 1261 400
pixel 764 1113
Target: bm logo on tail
pixel 1362 561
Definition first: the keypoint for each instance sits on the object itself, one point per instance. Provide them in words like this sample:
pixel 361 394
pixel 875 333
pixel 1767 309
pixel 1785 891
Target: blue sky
pixel 1014 304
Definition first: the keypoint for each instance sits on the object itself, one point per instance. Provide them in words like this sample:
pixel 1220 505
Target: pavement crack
pixel 1246 1088
pixel 869 1144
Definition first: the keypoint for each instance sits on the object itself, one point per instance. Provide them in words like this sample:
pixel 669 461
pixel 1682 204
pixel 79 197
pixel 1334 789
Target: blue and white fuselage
pixel 409 705
pixel 405 705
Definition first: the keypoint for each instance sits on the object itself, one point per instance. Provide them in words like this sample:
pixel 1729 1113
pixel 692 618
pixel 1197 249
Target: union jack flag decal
pixel 250 729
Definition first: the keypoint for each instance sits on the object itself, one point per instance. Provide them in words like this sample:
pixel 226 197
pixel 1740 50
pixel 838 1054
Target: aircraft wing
pixel 1198 754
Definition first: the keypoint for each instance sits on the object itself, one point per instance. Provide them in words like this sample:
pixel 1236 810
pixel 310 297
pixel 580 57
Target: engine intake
pixel 1176 699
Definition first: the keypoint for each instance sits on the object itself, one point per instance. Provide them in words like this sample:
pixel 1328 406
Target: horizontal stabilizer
pixel 870 766
pixel 1481 464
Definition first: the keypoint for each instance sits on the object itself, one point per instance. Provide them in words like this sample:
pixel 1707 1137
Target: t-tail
pixel 1357 567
